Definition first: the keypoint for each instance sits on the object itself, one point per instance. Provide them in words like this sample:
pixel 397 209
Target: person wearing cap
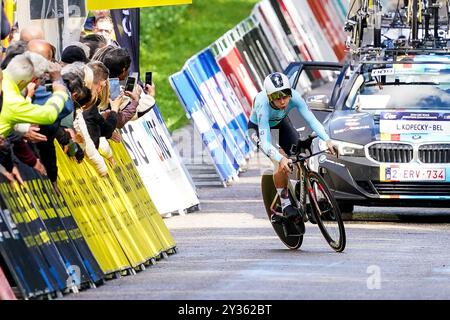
pixel 270 111
pixel 74 53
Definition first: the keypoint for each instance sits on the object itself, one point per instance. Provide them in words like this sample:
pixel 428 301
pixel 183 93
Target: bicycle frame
pixel 301 169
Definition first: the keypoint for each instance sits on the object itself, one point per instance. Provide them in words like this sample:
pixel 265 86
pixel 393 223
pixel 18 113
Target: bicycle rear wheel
pixel 326 211
pixel 271 199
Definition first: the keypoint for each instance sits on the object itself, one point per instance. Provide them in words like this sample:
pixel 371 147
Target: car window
pixel 421 87
pixel 310 89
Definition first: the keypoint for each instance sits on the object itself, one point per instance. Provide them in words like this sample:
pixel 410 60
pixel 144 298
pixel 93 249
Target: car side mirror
pixel 320 101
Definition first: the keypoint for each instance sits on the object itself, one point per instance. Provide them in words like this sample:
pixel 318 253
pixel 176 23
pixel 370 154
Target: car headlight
pixel 349 149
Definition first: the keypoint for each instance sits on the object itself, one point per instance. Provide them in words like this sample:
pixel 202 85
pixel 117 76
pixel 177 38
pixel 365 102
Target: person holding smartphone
pixel 118 61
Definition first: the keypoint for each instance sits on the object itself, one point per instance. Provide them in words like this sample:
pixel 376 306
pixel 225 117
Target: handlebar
pixel 303 145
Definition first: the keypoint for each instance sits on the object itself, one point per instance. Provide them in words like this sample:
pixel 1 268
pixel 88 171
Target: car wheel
pixel 346 210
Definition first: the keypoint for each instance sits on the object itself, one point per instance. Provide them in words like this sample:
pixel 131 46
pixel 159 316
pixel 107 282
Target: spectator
pixel 118 61
pixel 90 21
pixel 23 69
pixel 74 53
pixel 97 125
pixel 105 27
pixel 13 50
pixel 94 42
pixel 43 48
pixel 7 167
pixel 31 32
pixel 85 141
pixel 40 96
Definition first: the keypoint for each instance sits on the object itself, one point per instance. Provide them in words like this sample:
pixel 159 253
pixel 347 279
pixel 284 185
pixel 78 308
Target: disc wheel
pixel 271 199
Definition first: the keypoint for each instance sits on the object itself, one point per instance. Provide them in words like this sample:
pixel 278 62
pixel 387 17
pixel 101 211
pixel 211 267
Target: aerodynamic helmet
pixel 277 86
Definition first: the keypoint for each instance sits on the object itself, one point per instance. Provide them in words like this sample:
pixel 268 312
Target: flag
pixel 126 27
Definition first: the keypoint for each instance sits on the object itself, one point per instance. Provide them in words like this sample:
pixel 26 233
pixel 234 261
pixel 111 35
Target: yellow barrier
pixel 114 213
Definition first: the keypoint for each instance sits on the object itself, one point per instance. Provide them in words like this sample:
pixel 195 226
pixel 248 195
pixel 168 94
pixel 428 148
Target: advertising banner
pixel 215 112
pixel 334 35
pixel 266 16
pixel 158 164
pixel 301 9
pixel 191 98
pixel 232 65
pixel 226 101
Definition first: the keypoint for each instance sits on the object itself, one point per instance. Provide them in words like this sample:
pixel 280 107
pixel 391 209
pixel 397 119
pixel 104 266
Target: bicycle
pixel 310 195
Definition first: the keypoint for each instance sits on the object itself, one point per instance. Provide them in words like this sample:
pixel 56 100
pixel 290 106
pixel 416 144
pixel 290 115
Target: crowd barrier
pixel 55 241
pixel 217 85
pixel 149 144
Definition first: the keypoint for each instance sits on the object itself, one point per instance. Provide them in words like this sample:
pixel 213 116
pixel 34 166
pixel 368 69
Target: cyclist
pixel 270 109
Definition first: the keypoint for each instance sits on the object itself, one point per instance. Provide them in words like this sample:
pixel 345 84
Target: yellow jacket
pixel 16 109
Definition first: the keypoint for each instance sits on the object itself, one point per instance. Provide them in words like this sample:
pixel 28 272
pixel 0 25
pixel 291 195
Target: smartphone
pixel 48 86
pixel 148 77
pixel 114 88
pixel 129 85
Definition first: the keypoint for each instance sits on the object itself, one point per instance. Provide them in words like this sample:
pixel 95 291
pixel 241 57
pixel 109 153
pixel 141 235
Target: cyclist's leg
pixel 288 136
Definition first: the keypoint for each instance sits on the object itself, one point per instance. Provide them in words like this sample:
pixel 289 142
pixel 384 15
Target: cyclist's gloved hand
pixel 332 148
pixel 286 165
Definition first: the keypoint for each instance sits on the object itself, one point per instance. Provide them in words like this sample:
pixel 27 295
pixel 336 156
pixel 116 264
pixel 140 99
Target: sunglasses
pixel 280 94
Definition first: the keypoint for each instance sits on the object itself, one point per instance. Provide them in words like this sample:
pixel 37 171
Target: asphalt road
pixel 228 250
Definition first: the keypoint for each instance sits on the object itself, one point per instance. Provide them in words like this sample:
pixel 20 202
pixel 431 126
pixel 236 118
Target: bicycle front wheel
pixel 326 211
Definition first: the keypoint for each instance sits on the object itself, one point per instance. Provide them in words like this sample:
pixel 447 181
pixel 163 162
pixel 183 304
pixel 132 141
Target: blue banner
pixel 225 95
pixel 193 103
pixel 216 111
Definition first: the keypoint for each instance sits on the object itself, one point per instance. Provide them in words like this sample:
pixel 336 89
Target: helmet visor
pixel 280 94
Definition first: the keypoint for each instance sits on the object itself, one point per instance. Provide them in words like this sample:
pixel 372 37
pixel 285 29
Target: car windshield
pixel 410 86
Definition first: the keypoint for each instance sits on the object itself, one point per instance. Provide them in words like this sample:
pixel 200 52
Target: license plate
pixel 414 174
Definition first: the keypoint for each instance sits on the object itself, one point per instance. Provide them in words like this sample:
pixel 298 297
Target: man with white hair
pixel 23 69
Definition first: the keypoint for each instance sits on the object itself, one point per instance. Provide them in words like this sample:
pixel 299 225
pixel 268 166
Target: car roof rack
pixel 377 33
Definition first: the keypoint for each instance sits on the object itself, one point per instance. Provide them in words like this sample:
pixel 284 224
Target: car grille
pixel 412 188
pixel 391 152
pixel 434 153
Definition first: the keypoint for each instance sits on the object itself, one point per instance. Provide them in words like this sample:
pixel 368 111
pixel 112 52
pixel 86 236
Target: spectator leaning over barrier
pixel 39 94
pixel 23 69
pixel 82 131
pixel 24 133
pixel 7 167
pixel 74 76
